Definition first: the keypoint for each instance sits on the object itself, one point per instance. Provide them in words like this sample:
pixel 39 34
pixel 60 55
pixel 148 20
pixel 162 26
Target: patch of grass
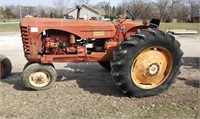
pixel 187 26
pixel 9 27
pixel 14 26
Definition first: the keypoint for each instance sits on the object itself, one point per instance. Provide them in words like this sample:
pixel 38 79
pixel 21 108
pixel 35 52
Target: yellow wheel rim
pixel 39 79
pixel 151 67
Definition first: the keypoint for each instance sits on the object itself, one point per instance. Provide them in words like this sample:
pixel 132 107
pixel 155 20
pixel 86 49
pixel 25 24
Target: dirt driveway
pixel 85 90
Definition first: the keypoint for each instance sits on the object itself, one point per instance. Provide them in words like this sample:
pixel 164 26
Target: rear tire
pixel 38 76
pixel 147 63
pixel 106 65
pixel 6 66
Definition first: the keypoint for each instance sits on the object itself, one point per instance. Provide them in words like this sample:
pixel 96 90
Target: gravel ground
pixel 86 90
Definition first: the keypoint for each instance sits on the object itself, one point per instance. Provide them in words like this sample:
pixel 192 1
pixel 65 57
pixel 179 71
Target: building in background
pixel 196 18
pixel 86 13
pixel 29 11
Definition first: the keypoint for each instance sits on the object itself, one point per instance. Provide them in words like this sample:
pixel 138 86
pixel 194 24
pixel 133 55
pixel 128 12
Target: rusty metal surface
pixel 82 28
pixel 62 46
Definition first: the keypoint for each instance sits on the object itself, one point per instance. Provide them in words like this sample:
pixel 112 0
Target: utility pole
pixel 20 10
pixel 109 9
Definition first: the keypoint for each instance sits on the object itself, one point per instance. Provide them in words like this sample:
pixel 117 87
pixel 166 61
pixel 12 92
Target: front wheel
pixel 38 76
pixel 6 66
pixel 147 63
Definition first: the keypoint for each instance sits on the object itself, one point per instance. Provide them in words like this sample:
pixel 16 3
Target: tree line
pixel 166 10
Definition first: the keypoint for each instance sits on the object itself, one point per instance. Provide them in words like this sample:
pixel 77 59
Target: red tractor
pixel 142 59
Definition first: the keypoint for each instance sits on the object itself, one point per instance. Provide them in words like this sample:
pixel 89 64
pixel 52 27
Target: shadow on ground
pixel 192 62
pixel 90 77
pixel 15 80
pixel 93 78
pixel 193 83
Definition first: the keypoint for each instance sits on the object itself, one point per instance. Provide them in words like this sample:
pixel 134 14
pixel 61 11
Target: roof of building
pixel 196 15
pixel 29 7
pixel 99 11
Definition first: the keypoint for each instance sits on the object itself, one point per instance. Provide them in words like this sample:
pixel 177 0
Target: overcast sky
pixel 49 2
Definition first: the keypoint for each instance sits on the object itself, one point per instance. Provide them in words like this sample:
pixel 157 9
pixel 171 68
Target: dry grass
pixel 187 26
pixel 9 27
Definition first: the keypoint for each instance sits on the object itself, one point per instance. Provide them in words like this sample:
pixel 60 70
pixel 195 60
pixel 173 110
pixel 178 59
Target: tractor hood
pixel 81 28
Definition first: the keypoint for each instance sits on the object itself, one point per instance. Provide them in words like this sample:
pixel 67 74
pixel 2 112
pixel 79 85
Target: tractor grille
pixel 25 40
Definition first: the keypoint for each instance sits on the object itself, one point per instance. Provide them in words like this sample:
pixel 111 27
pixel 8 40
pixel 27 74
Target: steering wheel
pixel 130 15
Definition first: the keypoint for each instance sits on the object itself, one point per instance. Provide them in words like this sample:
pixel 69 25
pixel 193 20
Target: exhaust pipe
pixel 78 7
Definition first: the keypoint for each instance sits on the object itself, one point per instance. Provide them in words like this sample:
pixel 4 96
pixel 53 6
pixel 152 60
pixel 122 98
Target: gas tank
pixel 81 28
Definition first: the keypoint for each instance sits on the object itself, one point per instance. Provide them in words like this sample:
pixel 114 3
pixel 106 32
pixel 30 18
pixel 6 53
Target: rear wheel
pixel 6 66
pixel 151 67
pixel 146 63
pixel 38 76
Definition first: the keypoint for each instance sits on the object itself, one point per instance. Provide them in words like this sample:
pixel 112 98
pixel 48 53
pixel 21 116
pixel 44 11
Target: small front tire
pixel 6 66
pixel 39 76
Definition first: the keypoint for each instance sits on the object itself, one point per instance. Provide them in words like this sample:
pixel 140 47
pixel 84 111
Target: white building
pixel 86 12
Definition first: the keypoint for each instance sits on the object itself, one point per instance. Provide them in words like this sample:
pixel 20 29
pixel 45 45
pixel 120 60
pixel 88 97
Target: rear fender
pixel 154 23
pixel 133 30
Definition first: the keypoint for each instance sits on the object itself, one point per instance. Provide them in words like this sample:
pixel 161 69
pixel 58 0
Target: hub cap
pixel 151 67
pixel 39 79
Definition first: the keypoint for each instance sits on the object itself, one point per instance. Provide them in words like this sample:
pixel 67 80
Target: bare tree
pixel 15 11
pixel 137 8
pixel 181 10
pixel 104 5
pixel 124 5
pixel 44 11
pixel 41 11
pixel 61 5
pixel 175 4
pixel 147 12
pixel 178 10
pixel 194 7
pixel 182 13
pixel 162 6
pixel 101 4
pixel 81 2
